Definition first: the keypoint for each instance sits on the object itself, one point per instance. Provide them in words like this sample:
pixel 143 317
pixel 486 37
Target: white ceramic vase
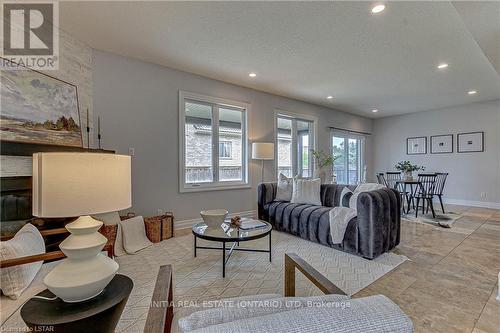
pixel 214 217
pixel 86 271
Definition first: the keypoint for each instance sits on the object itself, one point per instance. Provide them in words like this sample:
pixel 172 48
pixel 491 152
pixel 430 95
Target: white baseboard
pixel 473 203
pixel 189 223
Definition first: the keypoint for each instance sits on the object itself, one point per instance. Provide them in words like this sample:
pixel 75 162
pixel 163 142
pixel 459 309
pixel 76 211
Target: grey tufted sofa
pixel 374 231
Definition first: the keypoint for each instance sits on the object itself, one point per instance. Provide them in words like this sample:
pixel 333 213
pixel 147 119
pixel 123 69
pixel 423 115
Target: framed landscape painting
pixel 416 146
pixel 442 144
pixel 37 108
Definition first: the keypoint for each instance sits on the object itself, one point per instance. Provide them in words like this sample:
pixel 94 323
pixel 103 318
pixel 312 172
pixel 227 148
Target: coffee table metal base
pixel 225 258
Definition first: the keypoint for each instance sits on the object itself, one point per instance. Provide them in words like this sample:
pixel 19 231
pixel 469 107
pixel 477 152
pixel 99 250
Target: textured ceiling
pixel 309 50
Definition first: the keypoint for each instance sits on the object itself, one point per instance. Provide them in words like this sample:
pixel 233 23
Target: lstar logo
pixel 30 34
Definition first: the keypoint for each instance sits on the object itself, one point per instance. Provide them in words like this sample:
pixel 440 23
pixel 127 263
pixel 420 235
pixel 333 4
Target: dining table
pixel 403 185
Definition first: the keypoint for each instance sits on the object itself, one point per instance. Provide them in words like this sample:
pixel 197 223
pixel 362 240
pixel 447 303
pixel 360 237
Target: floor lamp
pixel 262 151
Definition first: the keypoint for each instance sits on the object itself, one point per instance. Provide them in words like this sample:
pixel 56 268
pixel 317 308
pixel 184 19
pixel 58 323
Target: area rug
pixel 442 220
pixel 200 279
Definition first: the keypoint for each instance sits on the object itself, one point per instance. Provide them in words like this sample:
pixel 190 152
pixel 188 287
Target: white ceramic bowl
pixel 214 217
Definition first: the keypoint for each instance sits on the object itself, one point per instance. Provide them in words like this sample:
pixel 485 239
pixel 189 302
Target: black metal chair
pixel 425 191
pixel 381 179
pixel 439 187
pixel 392 182
pixel 392 178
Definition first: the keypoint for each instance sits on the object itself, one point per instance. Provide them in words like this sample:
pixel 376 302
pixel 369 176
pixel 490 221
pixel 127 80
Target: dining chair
pixel 391 181
pixel 392 178
pixel 440 181
pixel 381 179
pixel 425 191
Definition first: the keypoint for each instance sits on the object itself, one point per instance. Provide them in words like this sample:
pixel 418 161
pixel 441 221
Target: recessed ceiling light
pixel 442 66
pixel 472 92
pixel 329 97
pixel 375 110
pixel 378 8
pixel 252 75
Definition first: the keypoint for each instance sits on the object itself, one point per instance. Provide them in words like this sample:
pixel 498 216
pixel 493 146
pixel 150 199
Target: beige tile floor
pixel 450 284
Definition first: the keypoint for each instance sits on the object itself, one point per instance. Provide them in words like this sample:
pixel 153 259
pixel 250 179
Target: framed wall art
pixel 470 142
pixel 38 108
pixel 442 144
pixel 416 146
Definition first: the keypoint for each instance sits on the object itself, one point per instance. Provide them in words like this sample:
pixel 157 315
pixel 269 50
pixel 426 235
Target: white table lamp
pixel 80 184
pixel 262 151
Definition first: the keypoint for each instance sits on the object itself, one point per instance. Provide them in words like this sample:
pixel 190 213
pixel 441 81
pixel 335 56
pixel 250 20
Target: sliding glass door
pixel 294 141
pixel 348 167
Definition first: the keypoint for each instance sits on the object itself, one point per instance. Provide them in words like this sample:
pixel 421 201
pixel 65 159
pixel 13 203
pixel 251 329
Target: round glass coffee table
pixel 228 234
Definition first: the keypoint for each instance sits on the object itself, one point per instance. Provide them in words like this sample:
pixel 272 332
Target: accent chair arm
pixel 293 261
pixel 161 310
pixel 42 257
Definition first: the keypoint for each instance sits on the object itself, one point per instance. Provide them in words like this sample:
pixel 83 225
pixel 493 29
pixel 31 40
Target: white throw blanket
pixel 366 187
pixel 133 236
pixel 340 216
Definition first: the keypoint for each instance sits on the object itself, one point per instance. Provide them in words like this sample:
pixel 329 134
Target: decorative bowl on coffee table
pixel 214 217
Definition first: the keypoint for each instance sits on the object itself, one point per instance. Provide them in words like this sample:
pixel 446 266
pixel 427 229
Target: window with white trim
pixel 348 168
pixel 213 143
pixel 295 138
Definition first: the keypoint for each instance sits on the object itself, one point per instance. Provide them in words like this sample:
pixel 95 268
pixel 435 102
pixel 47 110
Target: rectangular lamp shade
pixel 76 184
pixel 262 151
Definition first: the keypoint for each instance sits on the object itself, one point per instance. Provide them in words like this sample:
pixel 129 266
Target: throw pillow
pixel 134 235
pixel 345 195
pixel 284 189
pixel 306 191
pixel 27 241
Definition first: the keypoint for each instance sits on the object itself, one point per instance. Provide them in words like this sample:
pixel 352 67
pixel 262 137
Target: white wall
pixel 138 106
pixel 470 173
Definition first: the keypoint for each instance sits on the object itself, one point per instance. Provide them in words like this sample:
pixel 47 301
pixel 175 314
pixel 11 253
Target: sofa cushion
pixel 284 188
pixel 27 241
pixel 10 306
pixel 374 314
pixel 236 309
pixel 306 191
pixel 345 196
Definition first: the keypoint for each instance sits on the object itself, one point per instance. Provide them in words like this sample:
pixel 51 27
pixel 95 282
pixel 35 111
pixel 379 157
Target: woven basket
pixel 167 226
pixel 153 228
pixel 109 231
pixel 159 227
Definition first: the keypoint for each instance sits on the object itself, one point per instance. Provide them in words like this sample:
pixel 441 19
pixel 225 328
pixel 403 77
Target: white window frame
pixel 279 113
pixel 361 152
pixel 215 102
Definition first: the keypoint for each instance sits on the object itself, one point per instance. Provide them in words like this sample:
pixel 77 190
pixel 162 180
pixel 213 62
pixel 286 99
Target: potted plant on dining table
pixel 407 168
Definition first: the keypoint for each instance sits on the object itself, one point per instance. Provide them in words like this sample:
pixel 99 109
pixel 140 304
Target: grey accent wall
pixel 138 106
pixel 471 174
